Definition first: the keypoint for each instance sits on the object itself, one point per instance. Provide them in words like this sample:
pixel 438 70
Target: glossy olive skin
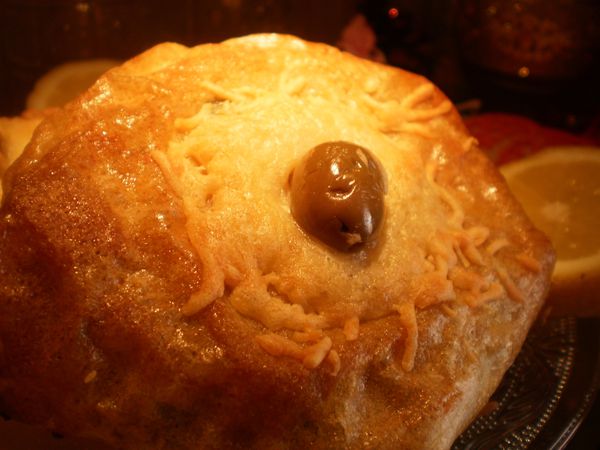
pixel 337 195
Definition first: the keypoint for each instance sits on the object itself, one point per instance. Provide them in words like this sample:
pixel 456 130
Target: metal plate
pixel 547 392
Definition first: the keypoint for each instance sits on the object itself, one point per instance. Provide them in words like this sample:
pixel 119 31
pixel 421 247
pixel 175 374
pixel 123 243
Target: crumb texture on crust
pixel 147 241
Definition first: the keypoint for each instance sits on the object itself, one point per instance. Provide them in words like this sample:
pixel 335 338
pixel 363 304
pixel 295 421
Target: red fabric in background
pixel 506 137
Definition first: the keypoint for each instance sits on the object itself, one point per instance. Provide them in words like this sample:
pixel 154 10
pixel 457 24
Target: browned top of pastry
pixel 161 292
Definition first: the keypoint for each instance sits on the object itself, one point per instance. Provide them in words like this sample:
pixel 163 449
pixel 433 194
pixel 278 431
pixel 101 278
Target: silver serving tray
pixel 546 394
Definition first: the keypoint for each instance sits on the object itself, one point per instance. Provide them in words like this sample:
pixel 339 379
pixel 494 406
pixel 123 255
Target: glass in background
pixel 534 57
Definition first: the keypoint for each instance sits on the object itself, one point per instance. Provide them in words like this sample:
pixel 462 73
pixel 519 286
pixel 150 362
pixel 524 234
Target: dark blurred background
pixel 39 34
pixel 537 58
pixel 534 57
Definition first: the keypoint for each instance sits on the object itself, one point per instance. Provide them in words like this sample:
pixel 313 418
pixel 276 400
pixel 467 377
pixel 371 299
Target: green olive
pixel 337 195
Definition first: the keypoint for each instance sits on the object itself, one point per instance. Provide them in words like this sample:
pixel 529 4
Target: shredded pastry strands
pixel 307 336
pixel 448 310
pixel 457 213
pixel 333 358
pixel 497 245
pixel 351 329
pixel 451 266
pixel 408 318
pixel 91 376
pixel 511 288
pixel 464 244
pixel 529 262
pixel 311 357
pixel 222 93
pixel 277 345
pixel 315 354
pixel 458 245
pixel 478 234
pixel 405 116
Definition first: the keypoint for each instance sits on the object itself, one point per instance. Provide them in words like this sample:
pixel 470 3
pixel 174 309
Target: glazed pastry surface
pixel 159 291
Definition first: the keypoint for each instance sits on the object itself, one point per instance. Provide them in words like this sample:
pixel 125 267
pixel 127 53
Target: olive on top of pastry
pixel 263 243
pixel 337 195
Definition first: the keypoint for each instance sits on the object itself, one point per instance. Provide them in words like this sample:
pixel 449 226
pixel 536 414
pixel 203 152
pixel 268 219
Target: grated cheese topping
pixel 351 329
pixel 333 358
pixel 211 181
pixel 529 262
pixel 408 319
pixel 90 376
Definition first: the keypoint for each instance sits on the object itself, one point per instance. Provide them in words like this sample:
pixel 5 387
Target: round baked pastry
pixel 264 243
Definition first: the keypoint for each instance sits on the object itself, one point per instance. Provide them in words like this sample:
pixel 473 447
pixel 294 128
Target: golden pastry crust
pixel 15 133
pixel 159 293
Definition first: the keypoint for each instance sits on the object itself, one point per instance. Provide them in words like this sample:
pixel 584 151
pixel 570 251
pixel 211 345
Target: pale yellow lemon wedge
pixel 63 83
pixel 559 189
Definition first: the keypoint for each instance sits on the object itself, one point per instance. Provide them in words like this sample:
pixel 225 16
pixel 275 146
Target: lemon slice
pixel 559 189
pixel 63 83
